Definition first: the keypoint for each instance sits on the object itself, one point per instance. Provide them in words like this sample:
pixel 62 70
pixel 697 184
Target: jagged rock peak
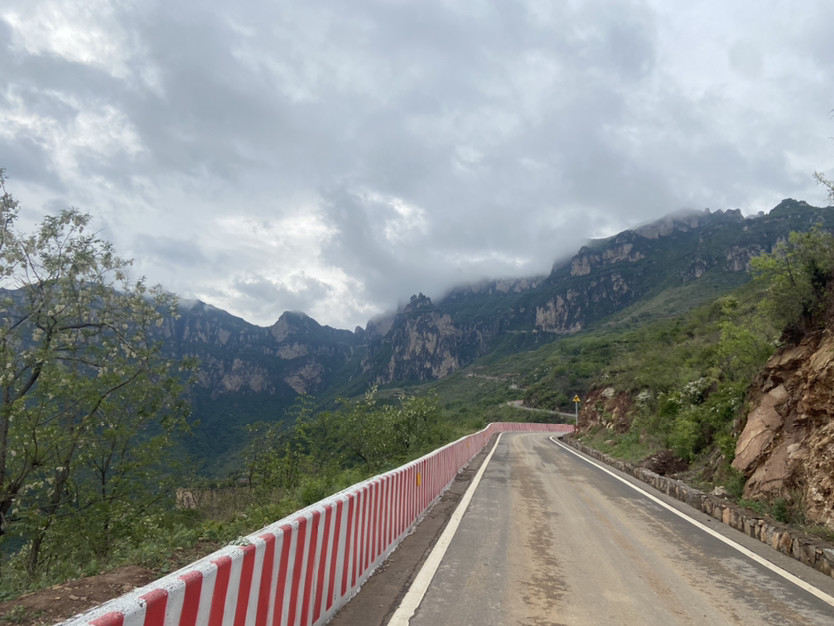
pixel 685 219
pixel 380 325
pixel 293 323
pixel 422 343
pixel 789 206
pixel 194 305
pixel 617 249
pixel 418 303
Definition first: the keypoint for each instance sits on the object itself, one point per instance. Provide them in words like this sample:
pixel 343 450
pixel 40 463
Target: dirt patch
pixel 664 463
pixel 61 602
pixel 606 408
pixel 68 599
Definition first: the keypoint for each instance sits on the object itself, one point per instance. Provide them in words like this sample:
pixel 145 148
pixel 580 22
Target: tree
pixel 745 343
pixel 358 438
pixel 87 399
pixel 382 435
pixel 828 184
pixel 798 274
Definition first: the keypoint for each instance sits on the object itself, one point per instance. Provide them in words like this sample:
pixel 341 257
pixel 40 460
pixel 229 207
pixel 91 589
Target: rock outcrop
pixel 608 275
pixel 296 355
pixel 620 249
pixel 422 343
pixel 786 445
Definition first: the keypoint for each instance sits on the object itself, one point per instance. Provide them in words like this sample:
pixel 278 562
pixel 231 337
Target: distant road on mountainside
pixel 519 404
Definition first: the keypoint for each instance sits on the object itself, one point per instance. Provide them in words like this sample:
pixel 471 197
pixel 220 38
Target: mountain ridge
pixel 261 370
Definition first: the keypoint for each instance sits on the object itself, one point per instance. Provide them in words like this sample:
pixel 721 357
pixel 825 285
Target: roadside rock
pixel 786 446
pixel 664 463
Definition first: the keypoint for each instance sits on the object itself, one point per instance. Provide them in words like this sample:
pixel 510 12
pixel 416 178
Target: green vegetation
pixel 321 452
pixel 798 275
pixel 88 405
pixel 683 379
pixel 688 377
pixel 90 408
pixel 289 464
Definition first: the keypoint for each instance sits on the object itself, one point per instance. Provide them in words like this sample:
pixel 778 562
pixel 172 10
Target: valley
pixel 664 332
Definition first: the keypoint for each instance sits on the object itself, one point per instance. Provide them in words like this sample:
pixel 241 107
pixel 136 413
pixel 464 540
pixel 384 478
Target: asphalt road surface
pixel 549 538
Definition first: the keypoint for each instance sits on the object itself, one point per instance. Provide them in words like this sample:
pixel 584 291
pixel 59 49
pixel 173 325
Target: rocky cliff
pixel 420 343
pixel 786 445
pixel 609 275
pixel 296 355
pixel 426 340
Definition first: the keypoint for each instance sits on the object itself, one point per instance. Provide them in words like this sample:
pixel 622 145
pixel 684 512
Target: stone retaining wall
pixel 811 551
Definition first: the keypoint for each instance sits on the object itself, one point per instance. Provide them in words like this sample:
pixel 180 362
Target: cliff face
pixel 609 275
pixel 296 355
pixel 571 310
pixel 786 446
pixel 620 250
pixel 421 343
pixel 426 340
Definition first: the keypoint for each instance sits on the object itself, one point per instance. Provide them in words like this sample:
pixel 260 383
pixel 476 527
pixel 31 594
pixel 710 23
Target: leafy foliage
pixel 825 182
pixel 798 274
pixel 88 404
pixel 359 438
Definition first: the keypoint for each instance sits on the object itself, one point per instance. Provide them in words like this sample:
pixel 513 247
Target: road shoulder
pixel 381 594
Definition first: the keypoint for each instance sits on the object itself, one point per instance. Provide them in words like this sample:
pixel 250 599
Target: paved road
pixel 550 539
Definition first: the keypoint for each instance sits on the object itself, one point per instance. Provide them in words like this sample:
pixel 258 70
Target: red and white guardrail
pixel 300 570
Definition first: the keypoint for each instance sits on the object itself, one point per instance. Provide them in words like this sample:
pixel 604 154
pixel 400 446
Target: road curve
pixel 550 539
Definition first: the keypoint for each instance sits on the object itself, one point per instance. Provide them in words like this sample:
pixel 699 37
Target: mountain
pixel 295 355
pixel 694 256
pixel 250 373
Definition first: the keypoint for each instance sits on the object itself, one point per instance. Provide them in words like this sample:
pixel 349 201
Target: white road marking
pixel 421 583
pixel 752 555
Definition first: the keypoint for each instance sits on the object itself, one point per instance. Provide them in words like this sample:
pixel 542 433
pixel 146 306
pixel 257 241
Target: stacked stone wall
pixel 812 551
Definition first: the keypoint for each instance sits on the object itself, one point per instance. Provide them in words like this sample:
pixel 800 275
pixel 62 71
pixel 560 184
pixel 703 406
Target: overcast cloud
pixel 336 157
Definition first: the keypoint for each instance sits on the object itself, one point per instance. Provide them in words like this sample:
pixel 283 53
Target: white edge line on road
pixel 748 553
pixel 421 583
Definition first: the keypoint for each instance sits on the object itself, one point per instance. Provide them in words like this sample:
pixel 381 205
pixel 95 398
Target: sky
pixel 336 157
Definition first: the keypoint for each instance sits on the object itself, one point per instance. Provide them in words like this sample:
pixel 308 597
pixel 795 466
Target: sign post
pixel 576 402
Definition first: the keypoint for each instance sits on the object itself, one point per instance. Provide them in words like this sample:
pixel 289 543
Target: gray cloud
pixel 301 156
